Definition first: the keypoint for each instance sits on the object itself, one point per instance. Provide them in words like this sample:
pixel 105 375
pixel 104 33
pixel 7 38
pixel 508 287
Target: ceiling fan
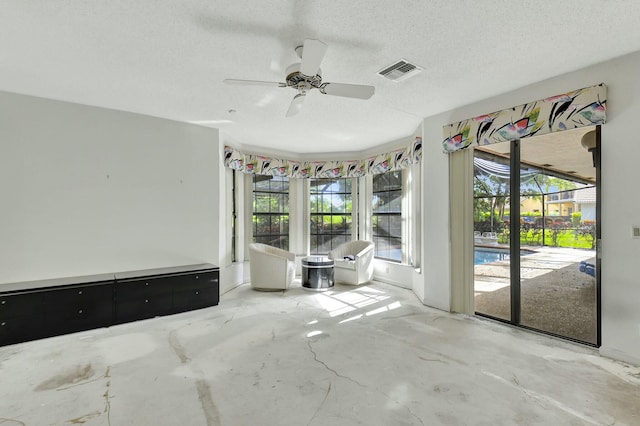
pixel 307 75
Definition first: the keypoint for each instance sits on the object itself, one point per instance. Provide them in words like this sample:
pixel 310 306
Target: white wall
pixel 393 273
pixel 88 190
pixel 620 203
pixel 435 289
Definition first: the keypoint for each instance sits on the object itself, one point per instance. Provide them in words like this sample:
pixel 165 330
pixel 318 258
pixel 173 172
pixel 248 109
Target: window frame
pixel 411 243
pixel 394 211
pixel 352 229
pixel 234 217
pixel 283 211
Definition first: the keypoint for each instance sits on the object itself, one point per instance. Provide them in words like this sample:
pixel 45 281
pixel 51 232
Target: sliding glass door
pixel 546 224
pixel 492 260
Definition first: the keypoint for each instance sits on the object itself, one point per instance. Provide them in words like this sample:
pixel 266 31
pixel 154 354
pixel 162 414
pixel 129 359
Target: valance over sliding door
pixel 579 108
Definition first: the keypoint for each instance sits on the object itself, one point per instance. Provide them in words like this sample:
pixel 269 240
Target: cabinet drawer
pixel 20 304
pixel 195 281
pixel 143 306
pixel 81 313
pixel 132 289
pixel 77 308
pixel 80 295
pixel 21 329
pixel 195 298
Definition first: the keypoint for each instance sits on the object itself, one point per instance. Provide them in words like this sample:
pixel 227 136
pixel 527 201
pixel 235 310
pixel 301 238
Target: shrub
pixel 576 218
pixel 531 214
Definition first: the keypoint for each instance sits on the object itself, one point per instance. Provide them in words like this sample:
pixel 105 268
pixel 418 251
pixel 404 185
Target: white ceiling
pixel 167 58
pixel 556 152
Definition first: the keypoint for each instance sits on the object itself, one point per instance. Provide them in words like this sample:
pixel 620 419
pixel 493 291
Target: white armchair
pixel 356 271
pixel 271 268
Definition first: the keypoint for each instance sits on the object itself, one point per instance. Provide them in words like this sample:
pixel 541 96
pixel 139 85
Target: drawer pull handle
pixel 146 300
pixel 80 292
pixel 80 311
pixel 146 283
pixel 3 324
pixel 197 292
pixel 4 301
pixel 197 277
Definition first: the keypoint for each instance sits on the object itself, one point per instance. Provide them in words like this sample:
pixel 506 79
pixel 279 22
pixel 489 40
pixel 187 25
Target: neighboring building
pixel 582 199
pixel 559 203
pixel 585 201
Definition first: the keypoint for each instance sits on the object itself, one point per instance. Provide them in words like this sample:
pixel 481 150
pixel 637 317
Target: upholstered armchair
pixel 271 268
pixel 353 262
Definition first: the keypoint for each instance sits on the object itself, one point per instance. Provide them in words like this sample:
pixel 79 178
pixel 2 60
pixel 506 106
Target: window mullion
pixel 333 214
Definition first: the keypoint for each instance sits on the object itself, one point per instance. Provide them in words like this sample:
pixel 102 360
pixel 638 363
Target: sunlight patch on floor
pixel 341 303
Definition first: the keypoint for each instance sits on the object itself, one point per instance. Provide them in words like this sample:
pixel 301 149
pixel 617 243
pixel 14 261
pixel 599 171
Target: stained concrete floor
pixel 369 355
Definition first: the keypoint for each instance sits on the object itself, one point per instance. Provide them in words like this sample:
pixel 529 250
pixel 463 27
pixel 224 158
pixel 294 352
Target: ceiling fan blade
pixel 254 82
pixel 348 90
pixel 312 53
pixel 296 105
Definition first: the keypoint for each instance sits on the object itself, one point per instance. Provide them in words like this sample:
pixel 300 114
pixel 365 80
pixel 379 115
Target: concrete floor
pixel 369 355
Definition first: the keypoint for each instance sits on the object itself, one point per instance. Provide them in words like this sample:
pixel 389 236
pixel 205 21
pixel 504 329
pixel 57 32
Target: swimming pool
pixel 481 256
pixel 485 255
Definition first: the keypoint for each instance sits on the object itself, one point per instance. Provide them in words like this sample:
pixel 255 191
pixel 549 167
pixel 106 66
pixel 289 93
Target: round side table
pixel 317 273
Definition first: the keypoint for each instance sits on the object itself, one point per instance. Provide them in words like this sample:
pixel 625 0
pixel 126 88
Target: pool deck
pixel 542 260
pixel 555 296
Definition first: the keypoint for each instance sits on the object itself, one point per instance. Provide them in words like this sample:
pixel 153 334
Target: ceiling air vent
pixel 400 70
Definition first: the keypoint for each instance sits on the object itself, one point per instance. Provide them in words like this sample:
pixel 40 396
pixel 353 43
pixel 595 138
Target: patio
pixel 556 296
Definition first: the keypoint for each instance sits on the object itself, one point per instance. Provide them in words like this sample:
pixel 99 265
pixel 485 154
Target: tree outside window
pixel 271 211
pixel 387 215
pixel 330 214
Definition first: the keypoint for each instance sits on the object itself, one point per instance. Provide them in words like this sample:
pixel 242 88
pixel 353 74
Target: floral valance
pixel 256 164
pixel 580 108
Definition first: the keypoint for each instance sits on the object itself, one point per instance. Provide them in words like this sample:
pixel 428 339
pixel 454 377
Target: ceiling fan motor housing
pixel 302 82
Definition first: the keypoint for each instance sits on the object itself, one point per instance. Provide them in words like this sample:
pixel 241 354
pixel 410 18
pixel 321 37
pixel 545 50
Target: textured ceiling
pixel 556 152
pixel 168 58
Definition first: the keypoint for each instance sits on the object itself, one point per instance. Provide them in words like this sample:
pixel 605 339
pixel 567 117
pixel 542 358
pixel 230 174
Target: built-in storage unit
pixel 145 294
pixel 37 309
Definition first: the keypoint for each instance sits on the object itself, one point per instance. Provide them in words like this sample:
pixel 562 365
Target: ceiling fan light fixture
pixel 296 105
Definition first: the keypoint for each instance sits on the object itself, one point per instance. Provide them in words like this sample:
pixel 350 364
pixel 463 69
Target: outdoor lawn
pixel 581 237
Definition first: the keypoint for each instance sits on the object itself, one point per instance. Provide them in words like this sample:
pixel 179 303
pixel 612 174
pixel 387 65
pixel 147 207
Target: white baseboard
pixel 619 355
pixel 387 280
pixel 394 273
pixel 231 277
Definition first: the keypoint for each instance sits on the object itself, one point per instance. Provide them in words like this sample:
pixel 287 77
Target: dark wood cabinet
pixel 199 291
pixel 142 298
pixel 51 307
pixel 45 308
pixel 165 291
pixel 80 307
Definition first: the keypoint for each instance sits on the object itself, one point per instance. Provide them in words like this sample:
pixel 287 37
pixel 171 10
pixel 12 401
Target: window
pixel 330 214
pixel 387 215
pixel 234 216
pixel 271 211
